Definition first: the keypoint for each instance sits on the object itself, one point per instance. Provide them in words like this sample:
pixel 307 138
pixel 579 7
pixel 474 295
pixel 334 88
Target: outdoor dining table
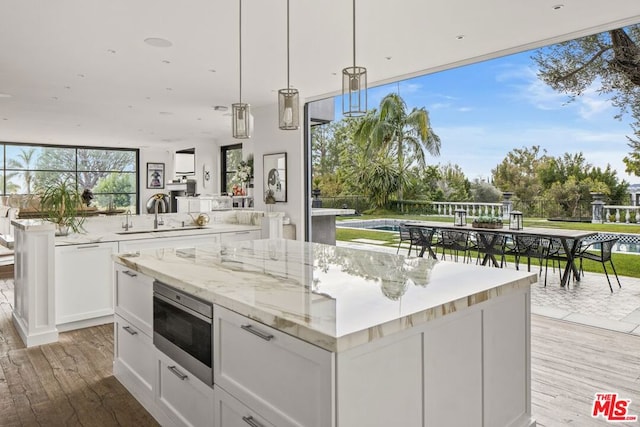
pixel 569 239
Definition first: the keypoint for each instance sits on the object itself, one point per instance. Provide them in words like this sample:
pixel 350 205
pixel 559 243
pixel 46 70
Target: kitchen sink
pixel 159 230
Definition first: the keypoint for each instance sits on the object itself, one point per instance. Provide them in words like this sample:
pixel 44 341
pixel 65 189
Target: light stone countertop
pixel 336 298
pixel 331 212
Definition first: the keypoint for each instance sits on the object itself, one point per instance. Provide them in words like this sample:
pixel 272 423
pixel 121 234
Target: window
pixel 231 156
pixel 110 174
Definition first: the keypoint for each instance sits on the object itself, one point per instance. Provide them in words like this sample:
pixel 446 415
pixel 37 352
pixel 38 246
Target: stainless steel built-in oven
pixel 183 330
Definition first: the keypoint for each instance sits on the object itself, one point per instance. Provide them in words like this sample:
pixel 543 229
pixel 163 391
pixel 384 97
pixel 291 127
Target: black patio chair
pixel 603 254
pixel 489 245
pixel 455 242
pixel 529 247
pixel 423 237
pixel 405 236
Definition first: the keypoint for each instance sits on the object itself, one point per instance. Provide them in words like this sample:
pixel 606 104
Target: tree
pixel 518 172
pixel 22 161
pixel 632 161
pixel 611 60
pixel 453 183
pixel 114 183
pixel 92 164
pixel 484 192
pixel 399 134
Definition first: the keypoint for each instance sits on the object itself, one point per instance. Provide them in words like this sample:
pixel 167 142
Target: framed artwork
pixel 275 175
pixel 155 175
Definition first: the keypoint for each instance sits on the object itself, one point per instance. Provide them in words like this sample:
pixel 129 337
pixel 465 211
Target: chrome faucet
pixel 127 220
pixel 155 210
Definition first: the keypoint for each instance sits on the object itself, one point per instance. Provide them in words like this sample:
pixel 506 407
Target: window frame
pixel 223 165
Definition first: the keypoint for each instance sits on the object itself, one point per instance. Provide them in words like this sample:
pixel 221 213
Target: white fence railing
pixel 473 209
pixel 622 214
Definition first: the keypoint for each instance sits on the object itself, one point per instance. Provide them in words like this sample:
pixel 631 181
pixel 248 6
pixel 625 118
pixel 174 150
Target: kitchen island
pixel 308 334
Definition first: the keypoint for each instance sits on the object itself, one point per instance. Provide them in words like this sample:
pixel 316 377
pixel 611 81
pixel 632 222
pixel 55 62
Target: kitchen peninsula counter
pixel 308 334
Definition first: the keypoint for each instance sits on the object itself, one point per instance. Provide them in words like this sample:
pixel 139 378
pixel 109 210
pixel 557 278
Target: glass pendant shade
pixel 289 109
pixel 240 112
pixel 241 124
pixel 288 99
pixel 354 91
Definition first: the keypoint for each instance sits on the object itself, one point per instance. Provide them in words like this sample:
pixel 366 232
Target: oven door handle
pixel 182 307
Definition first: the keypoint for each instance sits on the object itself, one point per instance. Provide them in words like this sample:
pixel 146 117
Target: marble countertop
pixel 333 297
pixel 135 233
pixel 331 212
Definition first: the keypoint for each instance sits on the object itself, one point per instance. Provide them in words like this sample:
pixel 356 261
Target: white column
pixel 34 276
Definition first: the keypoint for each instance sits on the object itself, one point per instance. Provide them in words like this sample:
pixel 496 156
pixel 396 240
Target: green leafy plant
pixel 60 203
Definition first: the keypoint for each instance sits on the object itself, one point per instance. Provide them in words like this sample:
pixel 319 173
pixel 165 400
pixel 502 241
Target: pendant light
pixel 354 83
pixel 288 98
pixel 240 112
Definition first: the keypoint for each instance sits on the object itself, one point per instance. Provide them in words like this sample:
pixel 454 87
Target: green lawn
pixel 626 264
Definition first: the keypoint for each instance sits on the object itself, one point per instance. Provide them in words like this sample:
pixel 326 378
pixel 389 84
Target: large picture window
pixel 110 174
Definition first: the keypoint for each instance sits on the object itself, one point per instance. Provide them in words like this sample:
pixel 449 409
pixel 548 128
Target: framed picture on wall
pixel 275 175
pixel 155 175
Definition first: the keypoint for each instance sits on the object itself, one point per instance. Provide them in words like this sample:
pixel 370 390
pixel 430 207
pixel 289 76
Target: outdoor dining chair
pixel 455 242
pixel 405 236
pixel 423 237
pixel 490 245
pixel 603 254
pixel 529 247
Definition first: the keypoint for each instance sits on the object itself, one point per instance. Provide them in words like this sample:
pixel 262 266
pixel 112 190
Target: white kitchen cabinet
pixel 283 378
pixel 240 235
pixel 133 298
pixel 133 358
pixel 230 412
pixel 83 284
pixel 193 204
pixel 190 241
pixel 185 399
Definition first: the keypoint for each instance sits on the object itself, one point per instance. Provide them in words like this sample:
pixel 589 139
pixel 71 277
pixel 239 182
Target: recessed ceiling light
pixel 334 74
pixel 558 7
pixel 388 58
pixel 199 118
pixel 148 97
pixel 459 36
pixel 54 97
pixel 5 95
pixel 158 42
pixel 212 70
pixel 166 61
pixel 80 75
pixel 4 118
pixel 111 51
pixel 166 113
pixel 169 88
pixel 67 87
pixel 220 108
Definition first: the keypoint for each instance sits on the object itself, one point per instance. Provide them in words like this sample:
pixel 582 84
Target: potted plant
pixel 60 203
pixel 487 221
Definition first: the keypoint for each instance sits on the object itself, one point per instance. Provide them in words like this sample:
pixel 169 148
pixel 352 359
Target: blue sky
pixel 483 111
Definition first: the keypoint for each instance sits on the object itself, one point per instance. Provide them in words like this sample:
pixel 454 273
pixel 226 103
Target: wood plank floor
pixel 70 383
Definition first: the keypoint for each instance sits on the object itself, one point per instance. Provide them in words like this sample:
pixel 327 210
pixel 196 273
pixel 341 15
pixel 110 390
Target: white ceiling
pixel 79 71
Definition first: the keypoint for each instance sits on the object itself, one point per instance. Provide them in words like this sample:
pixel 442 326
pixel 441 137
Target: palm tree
pixel 22 161
pixel 399 133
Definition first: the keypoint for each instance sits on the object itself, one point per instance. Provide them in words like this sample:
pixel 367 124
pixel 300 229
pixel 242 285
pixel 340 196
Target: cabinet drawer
pixel 229 412
pixel 283 378
pixel 134 298
pixel 134 353
pixel 184 398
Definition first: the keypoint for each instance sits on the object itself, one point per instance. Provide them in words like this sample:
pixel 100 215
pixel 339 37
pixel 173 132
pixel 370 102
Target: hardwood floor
pixel 70 383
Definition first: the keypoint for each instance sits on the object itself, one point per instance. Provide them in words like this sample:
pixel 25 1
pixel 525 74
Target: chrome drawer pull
pixel 177 373
pixel 128 329
pixel 263 335
pixel 253 423
pixel 88 247
pixel 130 273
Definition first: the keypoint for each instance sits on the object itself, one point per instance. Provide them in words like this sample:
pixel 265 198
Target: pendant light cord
pixel 240 43
pixel 288 65
pixel 354 34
